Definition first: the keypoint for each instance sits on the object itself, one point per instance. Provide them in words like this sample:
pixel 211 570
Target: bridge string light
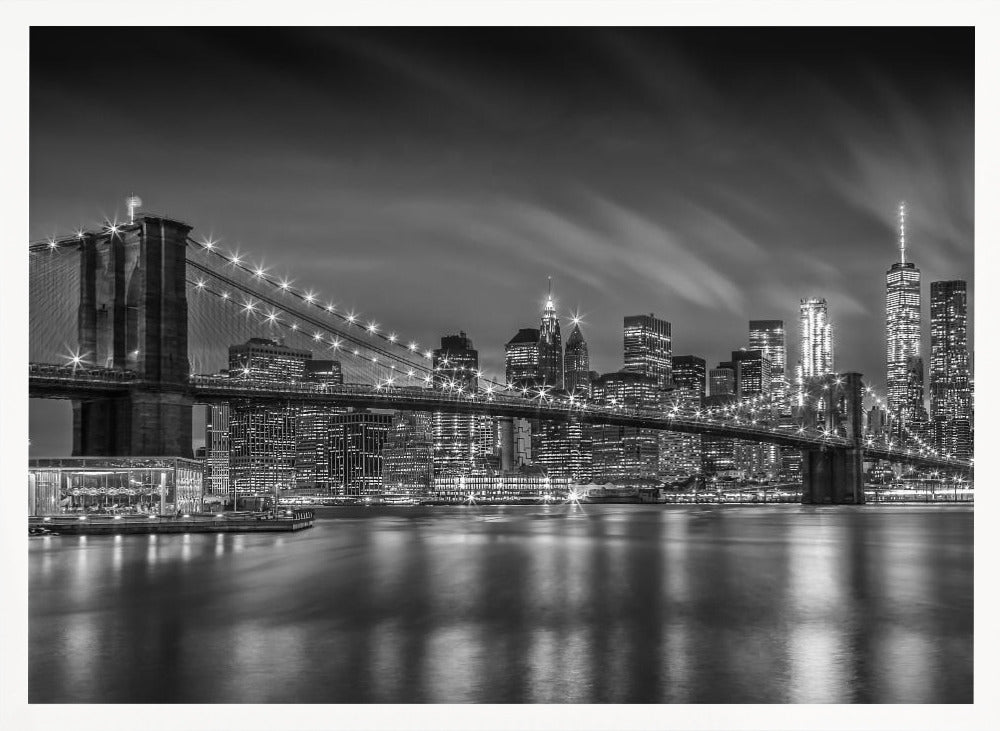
pixel 310 298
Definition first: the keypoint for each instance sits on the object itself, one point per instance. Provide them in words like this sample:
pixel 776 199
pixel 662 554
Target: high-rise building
pixel 550 352
pixel 648 348
pixel 408 456
pixel 262 436
pixel 312 429
pixel 752 374
pixel 576 363
pixel 768 336
pixel 688 371
pixel 217 449
pixel 356 442
pixel 680 454
pixel 722 381
pixel 461 441
pixel 521 358
pixel 816 339
pixel 622 453
pixel 950 384
pixel 564 449
pixel 902 333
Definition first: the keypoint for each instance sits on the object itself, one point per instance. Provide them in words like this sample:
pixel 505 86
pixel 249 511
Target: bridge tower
pixel 133 315
pixel 835 475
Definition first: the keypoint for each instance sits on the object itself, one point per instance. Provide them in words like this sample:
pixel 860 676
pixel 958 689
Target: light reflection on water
pixel 600 603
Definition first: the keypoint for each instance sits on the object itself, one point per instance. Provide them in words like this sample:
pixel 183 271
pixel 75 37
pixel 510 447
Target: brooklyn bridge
pixel 131 322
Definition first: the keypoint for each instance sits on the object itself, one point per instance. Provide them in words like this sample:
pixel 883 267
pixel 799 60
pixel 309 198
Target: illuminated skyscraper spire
pixel 902 334
pixel 550 352
pixel 902 232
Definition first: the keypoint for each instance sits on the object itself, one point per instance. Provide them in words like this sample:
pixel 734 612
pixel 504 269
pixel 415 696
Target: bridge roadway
pixel 51 381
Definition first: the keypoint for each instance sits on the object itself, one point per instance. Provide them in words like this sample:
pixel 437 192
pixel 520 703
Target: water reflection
pixel 554 604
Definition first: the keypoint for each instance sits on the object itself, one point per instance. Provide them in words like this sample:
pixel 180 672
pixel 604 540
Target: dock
pixel 80 525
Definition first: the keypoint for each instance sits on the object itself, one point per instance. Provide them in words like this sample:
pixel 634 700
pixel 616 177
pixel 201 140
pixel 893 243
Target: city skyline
pixel 698 225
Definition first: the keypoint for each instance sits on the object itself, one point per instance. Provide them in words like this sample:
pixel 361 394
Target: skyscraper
pixel 902 332
pixel 625 453
pixel 312 429
pixel 688 371
pixel 460 440
pixel 356 442
pixel 950 387
pixel 550 353
pixel 816 339
pixel 217 449
pixel 648 348
pixel 768 336
pixel 521 358
pixel 722 381
pixel 680 454
pixel 261 435
pixel 576 363
pixel 408 455
pixel 753 374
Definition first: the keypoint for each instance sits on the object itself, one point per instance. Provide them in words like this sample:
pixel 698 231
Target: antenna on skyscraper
pixel 902 232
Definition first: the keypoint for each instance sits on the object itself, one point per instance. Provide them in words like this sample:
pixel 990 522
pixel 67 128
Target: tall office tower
pixel 722 381
pixel 217 449
pixel 950 385
pixel 550 352
pixel 688 371
pixel 768 336
pixel 648 348
pixel 902 332
pixel 753 374
pixel 521 358
pixel 460 440
pixel 625 454
pixel 680 454
pixel 718 454
pixel 356 442
pixel 262 436
pixel 564 449
pixel 408 456
pixel 816 338
pixel 312 429
pixel 576 363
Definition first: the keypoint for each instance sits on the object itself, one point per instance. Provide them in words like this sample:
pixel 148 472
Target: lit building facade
pixel 550 352
pixel 752 375
pixel 521 358
pixel 680 454
pixel 621 453
pixel 768 336
pixel 312 429
pixel 356 442
pixel 217 449
pixel 461 441
pixel 510 486
pixel 950 378
pixel 902 333
pixel 816 338
pixel 648 348
pixel 408 456
pixel 688 371
pixel 262 436
pixel 576 363
pixel 722 381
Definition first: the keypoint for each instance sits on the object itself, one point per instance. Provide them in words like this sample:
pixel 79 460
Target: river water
pixel 594 603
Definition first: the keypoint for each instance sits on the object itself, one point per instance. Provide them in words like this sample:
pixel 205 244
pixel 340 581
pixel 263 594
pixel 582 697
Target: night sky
pixel 433 179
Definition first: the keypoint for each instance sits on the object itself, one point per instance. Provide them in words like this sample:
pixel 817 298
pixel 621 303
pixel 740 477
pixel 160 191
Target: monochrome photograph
pixel 507 365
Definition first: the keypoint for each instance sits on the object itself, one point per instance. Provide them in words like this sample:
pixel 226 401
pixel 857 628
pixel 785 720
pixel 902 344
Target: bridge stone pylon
pixel 834 475
pixel 133 315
